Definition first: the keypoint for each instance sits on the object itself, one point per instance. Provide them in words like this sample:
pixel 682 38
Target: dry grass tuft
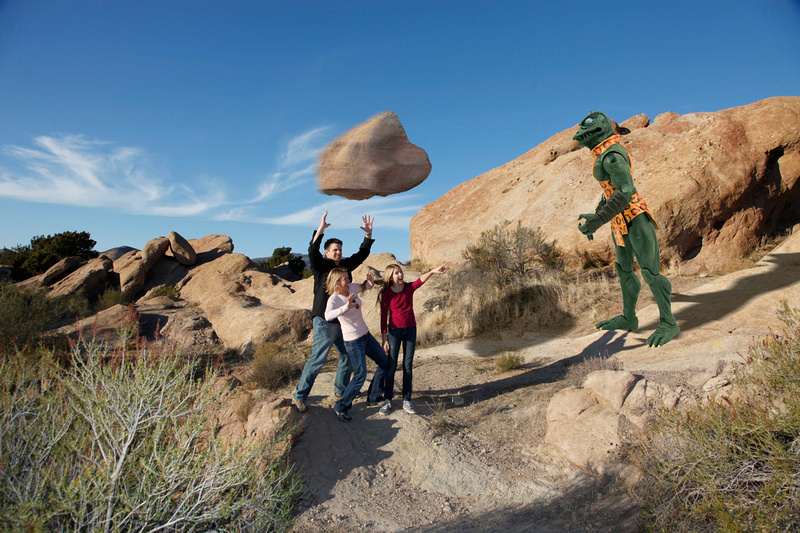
pixel 577 373
pixel 272 367
pixel 509 361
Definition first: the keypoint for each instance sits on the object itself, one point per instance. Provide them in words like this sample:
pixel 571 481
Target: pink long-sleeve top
pixel 350 318
pixel 397 308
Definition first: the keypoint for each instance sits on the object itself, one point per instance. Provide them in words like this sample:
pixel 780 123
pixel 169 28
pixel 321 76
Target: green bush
pixel 26 313
pixel 122 442
pixel 284 255
pixel 44 252
pixel 110 298
pixel 731 465
pixel 167 290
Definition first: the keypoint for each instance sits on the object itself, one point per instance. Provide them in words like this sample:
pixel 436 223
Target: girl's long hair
pixel 386 281
pixel 333 279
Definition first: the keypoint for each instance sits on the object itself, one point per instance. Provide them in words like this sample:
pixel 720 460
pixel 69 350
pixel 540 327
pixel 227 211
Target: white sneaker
pixel 408 408
pixel 386 406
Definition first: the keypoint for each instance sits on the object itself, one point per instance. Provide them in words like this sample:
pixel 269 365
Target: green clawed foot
pixel 663 334
pixel 618 322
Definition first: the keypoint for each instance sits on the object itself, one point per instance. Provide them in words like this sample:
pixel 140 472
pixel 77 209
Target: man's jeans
pixel 357 350
pixel 326 334
pixel 407 338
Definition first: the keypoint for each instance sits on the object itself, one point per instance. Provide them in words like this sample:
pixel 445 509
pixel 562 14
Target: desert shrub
pixel 126 445
pixel 166 290
pixel 732 465
pixel 272 366
pixel 44 252
pixel 26 313
pixel 110 298
pixel 509 361
pixel 509 252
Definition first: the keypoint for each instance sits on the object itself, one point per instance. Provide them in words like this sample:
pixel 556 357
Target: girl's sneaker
pixel 343 416
pixel 386 407
pixel 408 408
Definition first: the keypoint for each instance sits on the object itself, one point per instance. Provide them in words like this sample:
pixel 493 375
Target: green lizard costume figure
pixel 632 225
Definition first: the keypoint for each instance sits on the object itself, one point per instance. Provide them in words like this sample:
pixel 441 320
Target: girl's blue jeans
pixel 357 352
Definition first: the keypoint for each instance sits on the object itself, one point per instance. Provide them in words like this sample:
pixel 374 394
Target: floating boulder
pixel 373 159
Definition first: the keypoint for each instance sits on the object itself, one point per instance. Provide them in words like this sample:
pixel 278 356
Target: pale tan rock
pixel 584 432
pixel 134 266
pixel 177 321
pixel 242 304
pixel 90 279
pixel 716 182
pixel 636 122
pixel 373 159
pixel 610 386
pixel 181 250
pixel 106 326
pixel 210 243
pixel 60 270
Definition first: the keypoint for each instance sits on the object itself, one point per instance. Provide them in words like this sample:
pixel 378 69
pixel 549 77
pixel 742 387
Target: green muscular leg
pixel 630 285
pixel 667 325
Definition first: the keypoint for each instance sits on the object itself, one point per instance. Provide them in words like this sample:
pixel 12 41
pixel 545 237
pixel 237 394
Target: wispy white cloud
pixel 390 212
pixel 297 164
pixel 73 170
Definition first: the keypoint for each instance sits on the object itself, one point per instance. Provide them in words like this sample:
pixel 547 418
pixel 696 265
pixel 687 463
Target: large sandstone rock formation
pixel 716 182
pixel 134 265
pixel 374 158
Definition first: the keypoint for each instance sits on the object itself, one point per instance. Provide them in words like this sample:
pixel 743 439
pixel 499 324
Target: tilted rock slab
pixel 716 183
pixel 134 266
pixel 90 279
pixel 374 158
pixel 61 270
pixel 181 250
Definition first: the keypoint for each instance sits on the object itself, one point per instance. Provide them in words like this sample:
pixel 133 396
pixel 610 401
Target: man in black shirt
pixel 327 334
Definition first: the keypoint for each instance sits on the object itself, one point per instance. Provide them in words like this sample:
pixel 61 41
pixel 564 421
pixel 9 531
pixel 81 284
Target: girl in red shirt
pixel 399 327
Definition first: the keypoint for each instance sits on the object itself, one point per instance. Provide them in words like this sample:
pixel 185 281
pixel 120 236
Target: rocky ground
pixel 474 458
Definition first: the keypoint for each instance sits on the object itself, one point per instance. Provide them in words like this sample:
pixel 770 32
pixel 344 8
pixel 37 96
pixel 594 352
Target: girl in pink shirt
pixel 344 305
pixel 399 327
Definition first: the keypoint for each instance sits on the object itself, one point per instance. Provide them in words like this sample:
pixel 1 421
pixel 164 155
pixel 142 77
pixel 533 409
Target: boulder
pixel 210 243
pixel 90 279
pixel 716 183
pixel 134 266
pixel 179 322
pixel 584 432
pixel 60 270
pixel 246 307
pixel 374 158
pixel 181 250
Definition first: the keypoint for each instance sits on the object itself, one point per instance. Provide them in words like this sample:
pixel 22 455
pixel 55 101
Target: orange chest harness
pixel 637 205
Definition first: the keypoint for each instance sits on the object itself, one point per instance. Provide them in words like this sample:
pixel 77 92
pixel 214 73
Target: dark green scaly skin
pixel 640 242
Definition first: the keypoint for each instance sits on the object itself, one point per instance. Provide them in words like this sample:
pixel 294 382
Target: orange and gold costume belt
pixel 637 206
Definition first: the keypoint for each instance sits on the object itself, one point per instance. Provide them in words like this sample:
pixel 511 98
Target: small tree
pixel 44 252
pixel 285 255
pixel 511 252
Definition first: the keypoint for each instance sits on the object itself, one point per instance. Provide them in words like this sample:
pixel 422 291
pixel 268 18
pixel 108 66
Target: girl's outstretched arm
pixel 438 270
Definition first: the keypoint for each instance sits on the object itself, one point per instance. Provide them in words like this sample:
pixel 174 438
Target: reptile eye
pixel 588 121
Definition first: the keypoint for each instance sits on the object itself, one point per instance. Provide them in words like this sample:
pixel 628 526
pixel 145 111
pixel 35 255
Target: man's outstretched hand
pixel 367 227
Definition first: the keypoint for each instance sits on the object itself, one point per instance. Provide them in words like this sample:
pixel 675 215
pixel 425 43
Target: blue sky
pixel 131 119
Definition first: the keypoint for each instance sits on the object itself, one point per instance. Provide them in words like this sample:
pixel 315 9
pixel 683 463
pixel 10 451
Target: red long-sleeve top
pixel 397 308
